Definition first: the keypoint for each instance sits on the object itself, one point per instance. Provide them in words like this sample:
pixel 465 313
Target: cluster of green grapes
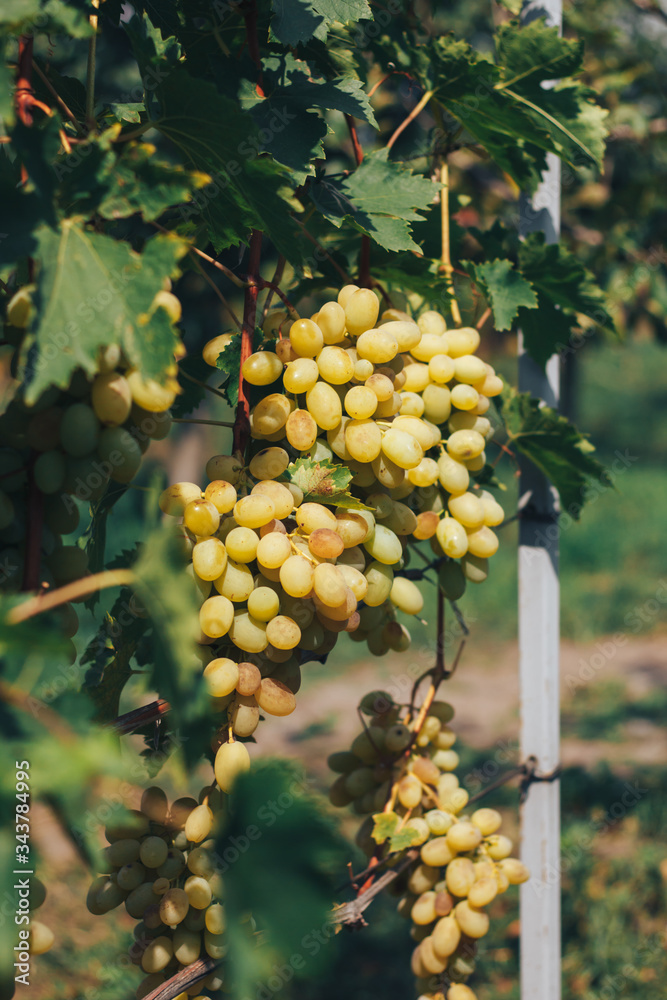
pixel 160 864
pixel 401 403
pixel 402 771
pixel 68 445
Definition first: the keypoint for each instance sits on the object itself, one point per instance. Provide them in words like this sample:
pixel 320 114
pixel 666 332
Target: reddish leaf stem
pixel 250 17
pixel 242 422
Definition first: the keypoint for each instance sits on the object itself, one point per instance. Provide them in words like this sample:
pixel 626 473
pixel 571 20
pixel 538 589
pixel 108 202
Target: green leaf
pixel 96 533
pixel 513 6
pixel 565 289
pixel 506 289
pixel 380 198
pixel 297 21
pixel 279 853
pixel 248 191
pixel 531 53
pixel 110 652
pixel 54 17
pixel 229 361
pixel 408 836
pixel 323 482
pixel 93 290
pixel 554 445
pixel 384 825
pixel 138 182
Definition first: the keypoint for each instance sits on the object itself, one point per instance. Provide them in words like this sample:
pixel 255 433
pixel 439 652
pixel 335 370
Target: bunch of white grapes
pixel 69 445
pixel 160 864
pixel 401 402
pixel 394 770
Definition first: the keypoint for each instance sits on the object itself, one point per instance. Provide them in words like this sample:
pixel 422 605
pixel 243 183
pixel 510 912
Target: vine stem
pixel 486 315
pixel 180 982
pixel 90 70
pixel 446 257
pixel 70 592
pixel 275 282
pixel 139 717
pixel 242 422
pixel 57 98
pixel 417 110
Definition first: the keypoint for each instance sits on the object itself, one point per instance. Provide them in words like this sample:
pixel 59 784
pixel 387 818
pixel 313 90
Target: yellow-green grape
pixel 482 543
pixel 281 497
pixel 464 397
pixel 384 546
pixel 300 375
pixel 446 936
pixel 158 954
pixel 459 991
pixel 138 901
pixel 377 346
pixel 453 475
pixel 491 386
pixel 469 421
pixel 363 370
pixel 161 885
pixel 406 596
pixel 417 378
pixel 187 946
pixel 41 937
pixel 175 498
pixel 262 368
pixel 469 369
pixel 296 576
pixel 311 516
pixel 248 633
pixel 498 846
pixel 467 509
pixel 515 870
pixel 174 864
pixel 236 583
pixel 439 823
pixel 130 876
pixel 460 342
pixel 441 369
pixel 380 580
pixel 216 616
pixel 483 892
pixel 463 836
pixel 474 569
pixel 452 537
pixel 465 444
pixel 355 580
pixel 149 394
pixel 363 440
pixel 241 545
pixel 306 338
pixel 283 633
pixel 473 922
pixel 422 878
pixel 444 739
pixel 224 467
pixel 412 404
pixel 301 430
pixel 381 386
pixel 244 715
pixel 209 558
pixel 111 398
pixel 270 414
pixel 486 820
pixel 437 852
pixel 231 760
pixel 361 311
pixel 222 495
pixel 329 585
pixel 437 403
pixel 447 760
pixel 360 402
pixel 324 405
pixel 423 910
pixel 263 604
pixel 402 448
pixel 460 875
pixel 254 511
pixel 409 791
pixel 214 945
pixel 215 919
pixel 214 348
pixel 275 698
pixel 493 512
pixel 153 852
pixel 199 824
pixel 268 464
pixel 80 430
pixel 331 321
pixel 273 549
pixel 425 474
pixel 335 366
pixel 201 517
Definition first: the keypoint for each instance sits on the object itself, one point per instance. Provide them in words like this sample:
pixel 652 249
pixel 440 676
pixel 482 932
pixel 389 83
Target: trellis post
pixel 539 614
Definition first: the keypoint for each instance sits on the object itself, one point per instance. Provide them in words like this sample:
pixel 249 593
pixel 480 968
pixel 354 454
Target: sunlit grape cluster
pixel 400 402
pixel 69 445
pixel 400 771
pixel 160 865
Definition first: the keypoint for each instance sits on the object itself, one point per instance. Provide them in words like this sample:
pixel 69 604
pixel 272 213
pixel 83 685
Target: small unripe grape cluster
pixel 160 864
pixel 407 775
pixel 69 445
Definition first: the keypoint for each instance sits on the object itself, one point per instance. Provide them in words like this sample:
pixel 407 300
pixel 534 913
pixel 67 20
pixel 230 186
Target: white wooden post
pixel 539 614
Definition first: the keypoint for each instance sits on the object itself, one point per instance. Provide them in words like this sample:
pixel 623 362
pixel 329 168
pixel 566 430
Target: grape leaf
pixel 229 361
pixel 564 289
pixel 554 445
pixel 297 21
pixel 323 482
pixel 138 182
pixel 94 290
pixel 384 825
pixel 380 198
pixel 109 653
pixel 528 54
pixel 407 837
pixel 506 289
